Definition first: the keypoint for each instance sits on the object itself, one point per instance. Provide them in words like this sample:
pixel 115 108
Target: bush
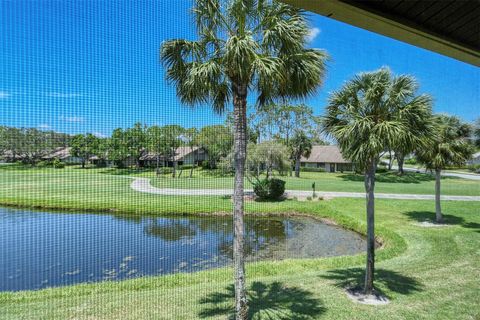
pixel 269 189
pixel 382 169
pixel 412 161
pixel 310 169
pixel 44 164
pixel 474 168
pixel 57 164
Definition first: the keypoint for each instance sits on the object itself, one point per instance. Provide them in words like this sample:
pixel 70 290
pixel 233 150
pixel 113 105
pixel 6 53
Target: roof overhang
pixel 458 38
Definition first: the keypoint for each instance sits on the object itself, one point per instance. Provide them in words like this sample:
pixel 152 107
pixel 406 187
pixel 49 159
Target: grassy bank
pixel 427 273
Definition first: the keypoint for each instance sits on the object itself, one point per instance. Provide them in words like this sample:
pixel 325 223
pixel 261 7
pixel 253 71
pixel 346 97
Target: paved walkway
pixel 468 176
pixel 143 185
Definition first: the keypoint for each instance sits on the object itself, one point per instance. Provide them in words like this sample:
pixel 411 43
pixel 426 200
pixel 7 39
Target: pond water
pixel 40 249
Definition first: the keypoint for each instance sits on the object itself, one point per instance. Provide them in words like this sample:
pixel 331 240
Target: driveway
pixel 143 185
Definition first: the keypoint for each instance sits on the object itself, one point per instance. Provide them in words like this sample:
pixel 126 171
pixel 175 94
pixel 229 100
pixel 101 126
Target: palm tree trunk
pixel 400 160
pixel 240 155
pixel 438 207
pixel 370 197
pixel 390 160
pixel 193 164
pixel 297 167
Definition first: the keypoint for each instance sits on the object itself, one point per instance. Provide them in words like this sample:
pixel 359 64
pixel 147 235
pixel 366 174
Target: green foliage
pixel 217 140
pixel 311 169
pixel 449 147
pixel 474 168
pixel 266 157
pixel 84 146
pixel 374 111
pixel 57 164
pixel 411 161
pixel 269 189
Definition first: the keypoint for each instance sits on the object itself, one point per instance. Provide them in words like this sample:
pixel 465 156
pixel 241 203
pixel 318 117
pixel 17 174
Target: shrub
pixel 57 164
pixel 270 189
pixel 411 161
pixel 382 170
pixel 310 169
pixel 44 164
pixel 474 168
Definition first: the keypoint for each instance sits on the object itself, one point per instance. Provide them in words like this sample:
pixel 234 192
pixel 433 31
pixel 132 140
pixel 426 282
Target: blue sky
pixel 92 66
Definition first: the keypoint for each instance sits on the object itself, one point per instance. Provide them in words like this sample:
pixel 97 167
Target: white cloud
pixel 99 135
pixel 62 95
pixel 312 34
pixel 72 119
pixel 44 126
pixel 4 94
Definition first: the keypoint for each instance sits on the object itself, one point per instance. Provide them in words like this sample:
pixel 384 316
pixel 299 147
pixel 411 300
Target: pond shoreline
pixel 50 249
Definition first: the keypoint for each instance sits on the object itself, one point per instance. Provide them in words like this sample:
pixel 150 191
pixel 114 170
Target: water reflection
pixel 50 249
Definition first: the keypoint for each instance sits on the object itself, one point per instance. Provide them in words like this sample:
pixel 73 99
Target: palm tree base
pixel 358 295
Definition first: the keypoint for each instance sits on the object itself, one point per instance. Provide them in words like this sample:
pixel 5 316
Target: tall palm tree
pixel 301 146
pixel 448 147
pixel 243 46
pixel 403 96
pixel 363 119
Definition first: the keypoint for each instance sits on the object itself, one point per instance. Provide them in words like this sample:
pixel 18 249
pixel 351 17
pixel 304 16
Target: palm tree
pixel 243 46
pixel 363 119
pixel 448 147
pixel 301 147
pixel 403 96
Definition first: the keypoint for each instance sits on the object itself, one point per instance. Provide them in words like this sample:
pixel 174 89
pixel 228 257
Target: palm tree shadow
pixel 385 280
pixel 422 216
pixel 272 301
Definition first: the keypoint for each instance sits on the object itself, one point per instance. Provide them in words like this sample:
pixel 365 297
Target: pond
pixel 40 249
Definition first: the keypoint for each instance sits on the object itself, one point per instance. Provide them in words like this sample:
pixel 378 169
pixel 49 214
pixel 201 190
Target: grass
pixel 428 273
pixel 390 182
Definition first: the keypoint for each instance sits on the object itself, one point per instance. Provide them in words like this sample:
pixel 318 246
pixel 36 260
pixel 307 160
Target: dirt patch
pixel 431 224
pixel 375 299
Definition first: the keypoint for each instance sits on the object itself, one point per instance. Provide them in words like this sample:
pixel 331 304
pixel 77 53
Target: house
pixel 475 159
pixel 183 156
pixel 328 158
pixel 62 154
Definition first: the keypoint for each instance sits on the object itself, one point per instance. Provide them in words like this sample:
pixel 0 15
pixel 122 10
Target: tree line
pixel 30 144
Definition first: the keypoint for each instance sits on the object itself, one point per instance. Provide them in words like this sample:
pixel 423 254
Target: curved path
pixel 143 185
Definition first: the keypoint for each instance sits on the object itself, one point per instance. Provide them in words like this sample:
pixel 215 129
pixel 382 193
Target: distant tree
pixel 361 118
pixel 157 145
pixel 267 156
pixel 217 140
pixel 172 135
pixel 300 146
pixel 449 147
pixel 136 142
pixel 476 133
pixel 118 150
pixel 84 146
pixel 189 138
pixel 284 121
pixel 34 145
pixel 412 109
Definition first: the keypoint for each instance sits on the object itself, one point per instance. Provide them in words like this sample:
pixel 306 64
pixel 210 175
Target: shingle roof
pixel 180 153
pixel 325 154
pixel 60 153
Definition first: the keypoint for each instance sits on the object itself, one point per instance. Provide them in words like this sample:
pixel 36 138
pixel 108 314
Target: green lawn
pixel 415 183
pixel 427 273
